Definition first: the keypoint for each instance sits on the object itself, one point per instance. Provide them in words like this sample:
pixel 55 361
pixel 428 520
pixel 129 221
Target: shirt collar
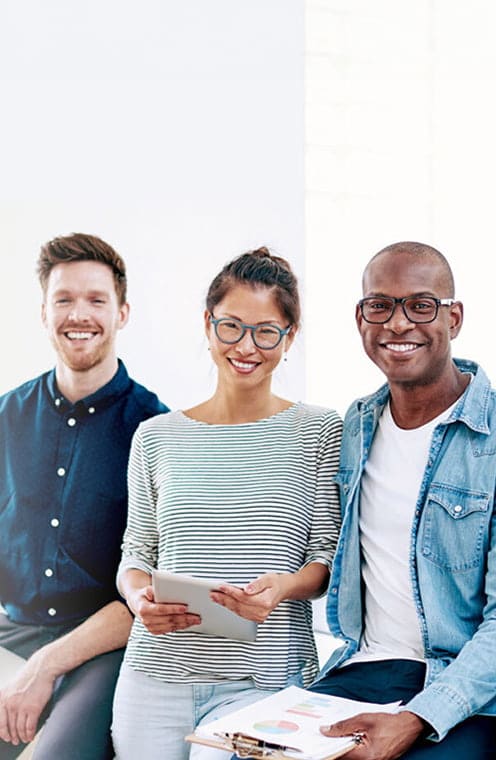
pixel 100 399
pixel 472 408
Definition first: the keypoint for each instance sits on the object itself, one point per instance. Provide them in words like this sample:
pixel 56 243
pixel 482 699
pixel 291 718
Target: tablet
pixel 217 620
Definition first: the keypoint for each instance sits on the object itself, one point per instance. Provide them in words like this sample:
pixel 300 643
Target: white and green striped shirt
pixel 233 502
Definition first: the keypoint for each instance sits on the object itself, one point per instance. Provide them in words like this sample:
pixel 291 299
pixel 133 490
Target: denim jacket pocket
pixel 454 527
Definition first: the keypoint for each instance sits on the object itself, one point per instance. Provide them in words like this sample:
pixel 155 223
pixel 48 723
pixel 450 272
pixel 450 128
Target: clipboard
pixel 246 746
pixel 286 726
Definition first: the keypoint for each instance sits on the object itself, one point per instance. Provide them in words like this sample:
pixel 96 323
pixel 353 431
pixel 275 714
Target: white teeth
pixel 401 347
pixel 243 365
pixel 79 335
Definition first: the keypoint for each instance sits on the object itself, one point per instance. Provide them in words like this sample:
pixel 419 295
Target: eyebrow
pixel 262 322
pixel 421 294
pixel 69 291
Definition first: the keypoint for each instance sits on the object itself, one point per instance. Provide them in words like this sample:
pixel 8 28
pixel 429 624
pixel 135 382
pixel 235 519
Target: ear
pixel 455 319
pixel 358 317
pixel 207 323
pixel 43 314
pixel 289 338
pixel 123 315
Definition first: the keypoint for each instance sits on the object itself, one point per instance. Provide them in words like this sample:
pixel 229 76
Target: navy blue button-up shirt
pixel 63 495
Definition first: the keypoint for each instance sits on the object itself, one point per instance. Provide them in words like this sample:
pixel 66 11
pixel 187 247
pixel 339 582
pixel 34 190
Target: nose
pixel 246 345
pixel 399 322
pixel 78 313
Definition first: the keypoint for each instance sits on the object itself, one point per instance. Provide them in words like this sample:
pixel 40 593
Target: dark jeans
pixel 393 680
pixel 78 718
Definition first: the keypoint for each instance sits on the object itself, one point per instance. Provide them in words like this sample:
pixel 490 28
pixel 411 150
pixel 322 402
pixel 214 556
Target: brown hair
pixel 259 268
pixel 81 247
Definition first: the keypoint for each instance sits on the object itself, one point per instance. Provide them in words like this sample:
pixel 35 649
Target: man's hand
pixel 22 701
pixel 384 736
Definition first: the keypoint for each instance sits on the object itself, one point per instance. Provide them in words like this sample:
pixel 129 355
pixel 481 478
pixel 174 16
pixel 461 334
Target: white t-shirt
pixel 389 491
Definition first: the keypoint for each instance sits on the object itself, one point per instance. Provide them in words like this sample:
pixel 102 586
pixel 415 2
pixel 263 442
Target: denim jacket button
pixel 458 508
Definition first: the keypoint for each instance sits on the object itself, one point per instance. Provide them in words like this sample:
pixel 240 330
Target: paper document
pixel 287 724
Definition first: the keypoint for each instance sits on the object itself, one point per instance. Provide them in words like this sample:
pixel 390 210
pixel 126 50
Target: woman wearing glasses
pixel 239 487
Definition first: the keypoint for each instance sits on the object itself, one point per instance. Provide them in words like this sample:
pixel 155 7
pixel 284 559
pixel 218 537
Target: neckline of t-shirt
pixel 289 410
pixel 442 417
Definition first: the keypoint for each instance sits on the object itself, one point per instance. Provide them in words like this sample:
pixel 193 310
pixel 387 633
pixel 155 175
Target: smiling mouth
pixel 401 348
pixel 79 335
pixel 244 366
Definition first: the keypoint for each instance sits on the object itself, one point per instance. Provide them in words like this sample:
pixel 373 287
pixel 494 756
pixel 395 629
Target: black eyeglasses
pixel 419 309
pixel 264 335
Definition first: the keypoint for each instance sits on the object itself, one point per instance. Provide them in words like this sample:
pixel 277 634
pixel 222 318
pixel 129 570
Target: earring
pixel 285 357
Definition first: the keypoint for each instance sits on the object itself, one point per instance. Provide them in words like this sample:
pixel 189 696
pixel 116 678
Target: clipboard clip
pixel 248 746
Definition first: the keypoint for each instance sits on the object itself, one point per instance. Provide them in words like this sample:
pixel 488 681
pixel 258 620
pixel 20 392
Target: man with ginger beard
pixel 64 445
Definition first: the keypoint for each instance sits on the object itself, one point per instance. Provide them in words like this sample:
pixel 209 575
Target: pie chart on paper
pixel 276 727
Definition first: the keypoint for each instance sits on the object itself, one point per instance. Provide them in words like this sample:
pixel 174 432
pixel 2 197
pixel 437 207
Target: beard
pixel 82 358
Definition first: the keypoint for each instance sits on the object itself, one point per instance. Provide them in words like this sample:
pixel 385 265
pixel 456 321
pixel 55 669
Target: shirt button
pixel 57 402
pixel 54 522
pixel 458 509
pixel 61 472
pixel 334 590
pixel 49 572
pixel 91 410
pixel 52 611
pixel 71 421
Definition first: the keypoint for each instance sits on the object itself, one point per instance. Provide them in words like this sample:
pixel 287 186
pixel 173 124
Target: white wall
pixel 399 146
pixel 172 129
pixel 176 131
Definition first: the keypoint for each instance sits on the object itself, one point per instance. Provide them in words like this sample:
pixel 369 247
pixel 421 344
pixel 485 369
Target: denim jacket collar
pixel 472 408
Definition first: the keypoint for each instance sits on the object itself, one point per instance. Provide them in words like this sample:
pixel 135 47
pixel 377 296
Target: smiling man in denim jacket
pixel 413 591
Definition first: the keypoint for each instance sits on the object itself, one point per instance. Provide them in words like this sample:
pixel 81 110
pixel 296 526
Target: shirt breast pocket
pixel 455 526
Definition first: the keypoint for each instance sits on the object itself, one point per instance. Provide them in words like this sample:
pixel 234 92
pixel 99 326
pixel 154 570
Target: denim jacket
pixel 452 554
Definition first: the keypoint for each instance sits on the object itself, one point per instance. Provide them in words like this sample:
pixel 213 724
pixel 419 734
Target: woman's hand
pixel 159 617
pixel 257 599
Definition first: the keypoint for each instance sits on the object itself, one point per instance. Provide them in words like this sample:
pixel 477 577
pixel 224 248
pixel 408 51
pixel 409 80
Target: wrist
pixel 414 724
pixel 287 585
pixel 43 663
pixel 131 599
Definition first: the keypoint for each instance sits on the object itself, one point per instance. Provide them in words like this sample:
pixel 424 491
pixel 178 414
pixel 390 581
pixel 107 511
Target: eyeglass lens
pixel 417 310
pixel 231 331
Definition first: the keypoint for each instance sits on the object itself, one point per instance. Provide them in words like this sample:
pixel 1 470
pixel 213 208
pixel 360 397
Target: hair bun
pixel 259 268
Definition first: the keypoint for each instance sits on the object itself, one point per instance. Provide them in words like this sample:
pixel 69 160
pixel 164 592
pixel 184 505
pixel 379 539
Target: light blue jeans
pixel 151 717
